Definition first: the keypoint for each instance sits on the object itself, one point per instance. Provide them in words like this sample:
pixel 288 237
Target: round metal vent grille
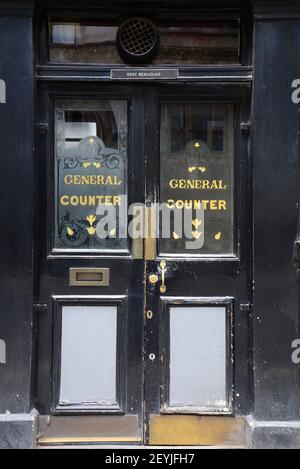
pixel 138 40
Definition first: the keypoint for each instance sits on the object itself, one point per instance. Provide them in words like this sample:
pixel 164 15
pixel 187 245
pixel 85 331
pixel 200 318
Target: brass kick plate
pixel 87 277
pixel 185 430
pixel 84 429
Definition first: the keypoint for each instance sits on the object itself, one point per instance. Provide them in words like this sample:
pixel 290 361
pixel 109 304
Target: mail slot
pixel 87 277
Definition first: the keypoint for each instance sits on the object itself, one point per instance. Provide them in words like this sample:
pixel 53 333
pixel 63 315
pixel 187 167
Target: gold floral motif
pixel 218 236
pixel 97 165
pixel 91 229
pixel 197 234
pixel 70 231
pixel 91 219
pixel 191 169
pixel 196 223
pixel 175 235
pixel 113 232
pixel 86 165
pixel 197 145
pixel 202 169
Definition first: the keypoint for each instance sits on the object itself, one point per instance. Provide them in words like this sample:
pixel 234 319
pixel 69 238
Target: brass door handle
pixel 163 267
pixel 153 279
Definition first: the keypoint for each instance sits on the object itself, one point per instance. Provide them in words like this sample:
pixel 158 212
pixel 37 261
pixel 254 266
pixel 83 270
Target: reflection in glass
pixel 79 43
pixel 192 43
pixel 90 175
pixel 199 43
pixel 197 164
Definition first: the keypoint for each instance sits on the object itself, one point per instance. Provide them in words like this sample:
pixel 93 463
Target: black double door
pixel 143 264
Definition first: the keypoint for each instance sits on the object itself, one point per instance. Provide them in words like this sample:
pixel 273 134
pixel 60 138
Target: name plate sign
pixel 144 74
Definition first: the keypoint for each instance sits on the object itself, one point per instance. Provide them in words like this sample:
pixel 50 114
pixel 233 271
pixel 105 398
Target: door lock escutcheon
pixel 149 314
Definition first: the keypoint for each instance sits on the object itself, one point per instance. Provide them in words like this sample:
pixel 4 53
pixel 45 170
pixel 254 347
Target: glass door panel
pixel 196 179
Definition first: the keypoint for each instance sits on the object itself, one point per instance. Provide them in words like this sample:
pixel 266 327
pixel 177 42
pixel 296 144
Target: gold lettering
pixel 64 200
pixel 99 199
pixel 85 179
pixel 117 201
pixel 74 200
pixel 68 179
pixel 197 204
pixel 203 184
pixel 90 200
pixel 92 179
pixel 83 200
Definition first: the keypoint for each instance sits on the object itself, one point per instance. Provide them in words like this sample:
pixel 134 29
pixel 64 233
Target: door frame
pixel 242 319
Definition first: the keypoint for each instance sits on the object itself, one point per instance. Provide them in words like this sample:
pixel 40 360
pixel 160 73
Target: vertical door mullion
pixel 152 351
pixel 135 317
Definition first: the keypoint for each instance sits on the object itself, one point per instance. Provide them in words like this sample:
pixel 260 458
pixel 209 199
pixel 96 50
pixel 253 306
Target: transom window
pixel 188 43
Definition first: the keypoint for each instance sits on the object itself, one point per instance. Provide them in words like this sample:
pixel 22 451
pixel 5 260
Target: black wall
pixel 16 206
pixel 276 192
